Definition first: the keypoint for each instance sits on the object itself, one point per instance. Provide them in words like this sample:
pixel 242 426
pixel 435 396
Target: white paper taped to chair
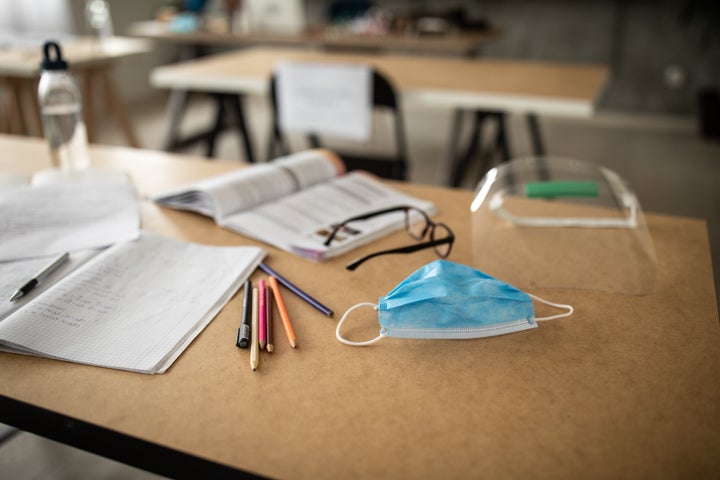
pixel 323 98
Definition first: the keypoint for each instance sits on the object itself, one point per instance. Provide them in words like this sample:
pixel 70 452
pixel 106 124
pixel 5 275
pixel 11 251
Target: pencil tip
pixel 270 348
pixel 294 344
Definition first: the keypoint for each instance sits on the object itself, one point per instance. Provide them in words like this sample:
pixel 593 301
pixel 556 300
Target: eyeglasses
pixel 419 227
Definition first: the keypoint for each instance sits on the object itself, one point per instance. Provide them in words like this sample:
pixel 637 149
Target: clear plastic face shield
pixel 553 222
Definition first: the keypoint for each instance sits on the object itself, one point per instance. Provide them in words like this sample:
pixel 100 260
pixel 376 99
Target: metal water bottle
pixel 61 107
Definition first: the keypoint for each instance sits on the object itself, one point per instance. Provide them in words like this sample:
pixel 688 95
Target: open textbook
pixel 133 306
pixel 293 202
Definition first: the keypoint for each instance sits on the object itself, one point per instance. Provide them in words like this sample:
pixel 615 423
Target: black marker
pixel 243 333
pixel 269 318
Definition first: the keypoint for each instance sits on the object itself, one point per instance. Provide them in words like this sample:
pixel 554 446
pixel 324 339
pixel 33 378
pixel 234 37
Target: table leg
pixel 31 89
pixel 235 103
pixel 6 107
pixel 177 101
pixel 176 108
pixel 4 115
pixel 460 163
pixel 447 168
pixel 88 98
pixel 533 123
pixel 501 140
pixel 218 124
pixel 474 146
pixel 116 106
pixel 17 123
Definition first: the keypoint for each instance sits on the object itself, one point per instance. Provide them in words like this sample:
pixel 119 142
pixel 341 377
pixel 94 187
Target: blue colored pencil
pixel 297 291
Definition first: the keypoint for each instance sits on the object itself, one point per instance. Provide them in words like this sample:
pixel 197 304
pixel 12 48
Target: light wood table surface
pixel 626 387
pixel 91 60
pixel 515 86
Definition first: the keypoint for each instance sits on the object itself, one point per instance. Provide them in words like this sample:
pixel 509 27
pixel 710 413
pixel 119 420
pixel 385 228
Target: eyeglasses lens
pixel 415 224
pixel 440 232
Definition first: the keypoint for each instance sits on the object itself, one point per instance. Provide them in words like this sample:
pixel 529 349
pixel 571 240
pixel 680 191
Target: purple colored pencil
pixel 297 291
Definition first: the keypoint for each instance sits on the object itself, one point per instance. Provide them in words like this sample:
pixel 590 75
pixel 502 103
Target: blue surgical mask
pixel 448 300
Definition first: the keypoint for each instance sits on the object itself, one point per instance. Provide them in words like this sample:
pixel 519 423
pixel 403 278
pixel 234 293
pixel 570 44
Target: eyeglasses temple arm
pixel 409 249
pixel 362 217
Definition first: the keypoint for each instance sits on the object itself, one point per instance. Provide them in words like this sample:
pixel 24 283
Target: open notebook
pixel 55 212
pixel 133 306
pixel 293 202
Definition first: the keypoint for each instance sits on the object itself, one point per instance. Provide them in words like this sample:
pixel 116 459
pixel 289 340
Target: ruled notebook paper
pixel 135 306
pixel 50 219
pixel 15 273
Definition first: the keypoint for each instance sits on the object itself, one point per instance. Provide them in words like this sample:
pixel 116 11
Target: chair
pixel 383 98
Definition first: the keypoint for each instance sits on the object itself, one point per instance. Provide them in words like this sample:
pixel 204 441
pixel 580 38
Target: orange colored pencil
pixel 283 312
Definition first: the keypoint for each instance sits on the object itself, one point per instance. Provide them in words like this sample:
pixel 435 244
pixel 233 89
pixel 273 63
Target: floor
pixel 670 168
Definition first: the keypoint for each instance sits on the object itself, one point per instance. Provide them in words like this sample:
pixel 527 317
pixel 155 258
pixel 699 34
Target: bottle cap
pixel 50 61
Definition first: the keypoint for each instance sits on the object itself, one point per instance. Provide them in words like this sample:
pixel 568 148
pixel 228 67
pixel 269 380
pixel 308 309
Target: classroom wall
pixel 132 74
pixel 658 62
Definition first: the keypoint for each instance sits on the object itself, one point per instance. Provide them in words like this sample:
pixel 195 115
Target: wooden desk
pixel 514 86
pixel 626 387
pixel 536 88
pixel 196 44
pixel 466 44
pixel 89 60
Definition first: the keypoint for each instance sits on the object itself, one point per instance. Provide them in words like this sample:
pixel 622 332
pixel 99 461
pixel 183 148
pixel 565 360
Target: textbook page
pixel 299 223
pixel 246 188
pixel 136 306
pixel 65 217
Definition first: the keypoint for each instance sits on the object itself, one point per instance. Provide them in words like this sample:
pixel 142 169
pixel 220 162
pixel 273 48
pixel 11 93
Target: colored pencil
pixel 284 318
pixel 254 347
pixel 296 290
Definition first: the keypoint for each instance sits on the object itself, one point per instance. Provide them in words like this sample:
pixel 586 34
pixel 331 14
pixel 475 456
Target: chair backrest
pixel 383 96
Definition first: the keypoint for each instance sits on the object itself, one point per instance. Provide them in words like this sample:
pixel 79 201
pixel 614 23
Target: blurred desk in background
pixel 91 60
pixel 508 86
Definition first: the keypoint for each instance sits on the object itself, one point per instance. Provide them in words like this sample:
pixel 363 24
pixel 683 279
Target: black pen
pixel 269 317
pixel 243 333
pixel 40 276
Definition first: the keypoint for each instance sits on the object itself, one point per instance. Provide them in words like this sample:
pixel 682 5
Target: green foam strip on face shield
pixel 561 189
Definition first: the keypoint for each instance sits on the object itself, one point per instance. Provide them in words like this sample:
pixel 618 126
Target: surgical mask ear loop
pixel 342 320
pixel 569 308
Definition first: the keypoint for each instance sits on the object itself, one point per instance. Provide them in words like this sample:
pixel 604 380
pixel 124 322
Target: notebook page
pixel 51 219
pixel 133 305
pixel 14 274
